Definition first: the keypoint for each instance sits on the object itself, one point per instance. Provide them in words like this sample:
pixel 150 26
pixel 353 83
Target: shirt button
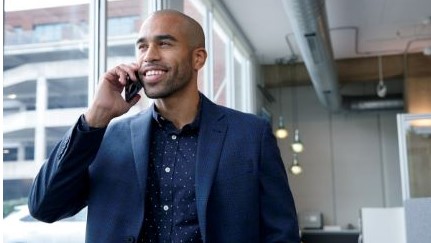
pixel 167 169
pixel 166 207
pixel 174 137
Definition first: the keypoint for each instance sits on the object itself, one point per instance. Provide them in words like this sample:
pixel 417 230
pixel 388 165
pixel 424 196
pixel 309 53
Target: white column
pixel 41 107
pixel 21 152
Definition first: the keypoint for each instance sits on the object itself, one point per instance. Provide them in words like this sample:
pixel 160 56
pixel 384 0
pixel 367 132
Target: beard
pixel 173 84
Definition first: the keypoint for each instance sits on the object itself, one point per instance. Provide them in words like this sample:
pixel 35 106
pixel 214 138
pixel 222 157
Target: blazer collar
pixel 140 132
pixel 212 132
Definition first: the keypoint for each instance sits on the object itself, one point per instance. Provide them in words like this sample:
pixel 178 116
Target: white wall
pixel 350 159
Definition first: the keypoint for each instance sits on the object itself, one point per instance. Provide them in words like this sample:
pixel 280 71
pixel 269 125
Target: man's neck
pixel 179 110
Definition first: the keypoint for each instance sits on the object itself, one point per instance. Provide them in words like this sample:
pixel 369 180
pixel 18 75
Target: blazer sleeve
pixel 278 214
pixel 61 187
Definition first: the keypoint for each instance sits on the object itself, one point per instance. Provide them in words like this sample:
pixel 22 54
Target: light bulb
pixel 381 89
pixel 296 169
pixel 297 145
pixel 281 131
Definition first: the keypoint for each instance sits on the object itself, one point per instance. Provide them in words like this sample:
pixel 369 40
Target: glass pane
pixel 45 89
pixel 220 46
pixel 238 68
pixel 194 9
pixel 418 142
pixel 124 20
pixel 10 154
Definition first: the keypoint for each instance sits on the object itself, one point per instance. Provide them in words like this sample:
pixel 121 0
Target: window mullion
pixel 98 44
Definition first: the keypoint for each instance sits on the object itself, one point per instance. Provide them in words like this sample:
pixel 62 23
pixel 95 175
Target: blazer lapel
pixel 140 131
pixel 210 143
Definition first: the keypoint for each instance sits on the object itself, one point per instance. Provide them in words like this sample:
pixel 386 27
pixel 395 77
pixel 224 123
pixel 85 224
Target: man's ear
pixel 199 58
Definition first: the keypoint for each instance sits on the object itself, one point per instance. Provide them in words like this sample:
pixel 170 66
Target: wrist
pixel 95 120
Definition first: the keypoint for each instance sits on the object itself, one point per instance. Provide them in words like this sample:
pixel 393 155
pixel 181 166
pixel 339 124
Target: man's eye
pixel 163 43
pixel 142 47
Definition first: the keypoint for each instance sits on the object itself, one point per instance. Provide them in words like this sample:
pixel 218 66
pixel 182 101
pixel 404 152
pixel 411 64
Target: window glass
pixel 124 20
pixel 45 89
pixel 10 154
pixel 196 10
pixel 29 152
pixel 124 25
pixel 227 81
pixel 239 70
pixel 49 32
pixel 220 61
pixel 67 92
pixel 45 74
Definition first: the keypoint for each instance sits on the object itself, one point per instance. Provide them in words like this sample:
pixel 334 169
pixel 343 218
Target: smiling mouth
pixel 154 76
pixel 152 73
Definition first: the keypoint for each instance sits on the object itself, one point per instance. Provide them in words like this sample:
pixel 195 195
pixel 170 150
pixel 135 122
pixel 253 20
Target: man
pixel 186 170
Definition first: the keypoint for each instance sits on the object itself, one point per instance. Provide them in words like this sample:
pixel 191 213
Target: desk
pixel 330 236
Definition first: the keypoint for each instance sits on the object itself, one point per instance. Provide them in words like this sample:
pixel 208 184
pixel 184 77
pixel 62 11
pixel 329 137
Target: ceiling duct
pixel 373 103
pixel 309 23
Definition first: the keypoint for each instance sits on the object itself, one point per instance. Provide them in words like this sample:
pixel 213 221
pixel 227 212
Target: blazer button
pixel 130 239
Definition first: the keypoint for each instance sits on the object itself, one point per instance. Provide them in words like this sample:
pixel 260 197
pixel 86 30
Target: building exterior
pixel 46 80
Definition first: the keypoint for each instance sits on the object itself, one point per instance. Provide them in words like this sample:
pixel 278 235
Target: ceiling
pixel 357 27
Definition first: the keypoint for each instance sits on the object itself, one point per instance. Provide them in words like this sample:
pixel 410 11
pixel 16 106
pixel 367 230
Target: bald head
pixel 187 25
pixel 171 51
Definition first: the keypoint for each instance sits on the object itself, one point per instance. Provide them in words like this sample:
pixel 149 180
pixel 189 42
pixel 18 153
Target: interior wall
pixel 350 159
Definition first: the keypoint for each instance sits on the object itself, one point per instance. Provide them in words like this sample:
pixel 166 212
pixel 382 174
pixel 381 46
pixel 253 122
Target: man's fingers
pixel 124 72
pixel 121 74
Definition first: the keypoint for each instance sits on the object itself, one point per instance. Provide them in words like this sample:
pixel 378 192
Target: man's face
pixel 165 57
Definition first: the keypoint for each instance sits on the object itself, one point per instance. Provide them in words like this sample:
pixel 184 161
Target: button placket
pixel 166 182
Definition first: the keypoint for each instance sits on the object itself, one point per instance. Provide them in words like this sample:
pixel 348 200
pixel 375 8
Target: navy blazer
pixel 242 191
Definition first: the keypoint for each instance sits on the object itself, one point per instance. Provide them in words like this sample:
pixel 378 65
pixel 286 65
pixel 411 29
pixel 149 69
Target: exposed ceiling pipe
pixel 309 24
pixel 373 103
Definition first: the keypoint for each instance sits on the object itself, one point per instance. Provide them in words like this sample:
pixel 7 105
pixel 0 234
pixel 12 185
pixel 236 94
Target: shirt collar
pixel 161 121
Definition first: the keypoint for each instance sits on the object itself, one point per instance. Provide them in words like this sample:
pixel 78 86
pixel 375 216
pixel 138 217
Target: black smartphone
pixel 132 88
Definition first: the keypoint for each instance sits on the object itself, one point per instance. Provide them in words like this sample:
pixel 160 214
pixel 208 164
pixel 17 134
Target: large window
pixel 220 61
pixel 197 11
pixel 45 82
pixel 226 77
pixel 47 85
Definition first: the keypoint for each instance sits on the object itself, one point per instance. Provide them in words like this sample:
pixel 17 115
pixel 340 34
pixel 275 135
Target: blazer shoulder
pixel 242 118
pixel 127 120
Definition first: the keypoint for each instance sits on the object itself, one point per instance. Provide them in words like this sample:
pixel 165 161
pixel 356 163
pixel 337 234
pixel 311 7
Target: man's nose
pixel 152 54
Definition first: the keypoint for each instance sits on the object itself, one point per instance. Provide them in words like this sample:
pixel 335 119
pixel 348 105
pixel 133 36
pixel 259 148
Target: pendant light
pixel 297 145
pixel 381 88
pixel 295 168
pixel 281 131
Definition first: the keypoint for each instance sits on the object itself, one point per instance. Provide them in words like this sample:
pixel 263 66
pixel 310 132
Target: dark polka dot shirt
pixel 170 211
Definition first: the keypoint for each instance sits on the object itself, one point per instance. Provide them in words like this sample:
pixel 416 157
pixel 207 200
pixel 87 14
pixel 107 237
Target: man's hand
pixel 108 102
